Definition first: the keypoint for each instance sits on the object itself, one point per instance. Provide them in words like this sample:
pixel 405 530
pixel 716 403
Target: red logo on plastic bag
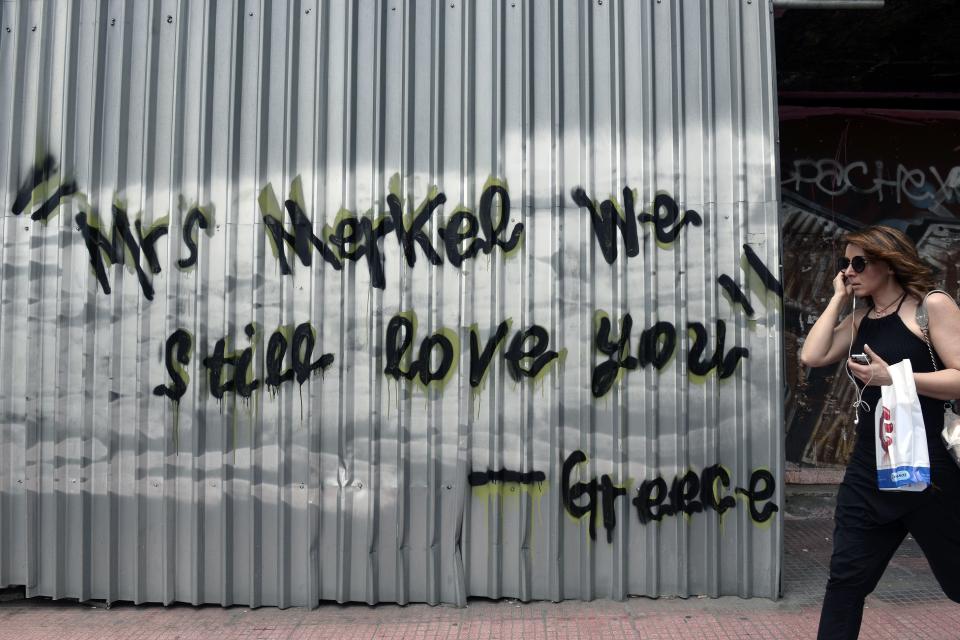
pixel 886 430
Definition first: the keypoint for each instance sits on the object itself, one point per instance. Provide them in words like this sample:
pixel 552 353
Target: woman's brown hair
pixel 891 245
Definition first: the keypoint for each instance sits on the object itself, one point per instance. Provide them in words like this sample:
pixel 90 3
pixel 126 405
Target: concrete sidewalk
pixel 908 604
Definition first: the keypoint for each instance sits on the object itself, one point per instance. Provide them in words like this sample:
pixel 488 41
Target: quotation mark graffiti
pixel 41 173
pixel 769 280
pixel 736 293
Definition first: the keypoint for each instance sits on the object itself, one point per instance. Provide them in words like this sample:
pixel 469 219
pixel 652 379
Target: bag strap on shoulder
pixel 923 319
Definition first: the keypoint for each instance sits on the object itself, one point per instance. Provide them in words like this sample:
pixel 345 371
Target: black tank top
pixel 890 339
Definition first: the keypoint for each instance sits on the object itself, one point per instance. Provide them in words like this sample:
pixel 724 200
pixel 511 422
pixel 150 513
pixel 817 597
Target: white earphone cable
pixel 859 403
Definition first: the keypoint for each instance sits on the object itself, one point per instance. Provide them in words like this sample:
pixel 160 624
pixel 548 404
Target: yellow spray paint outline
pixel 270 206
pixel 209 215
pixel 496 214
pixel 475 328
pixel 755 283
pixel 746 500
pixel 598 316
pixel 286 330
pixel 438 386
pixel 651 210
pixel 185 376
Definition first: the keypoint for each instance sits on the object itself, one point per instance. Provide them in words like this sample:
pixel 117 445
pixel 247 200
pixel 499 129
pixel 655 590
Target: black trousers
pixel 863 546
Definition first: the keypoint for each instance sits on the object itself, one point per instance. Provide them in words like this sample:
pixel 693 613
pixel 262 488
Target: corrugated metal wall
pixel 202 198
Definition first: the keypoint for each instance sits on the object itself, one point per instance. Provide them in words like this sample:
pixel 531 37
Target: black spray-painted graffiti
pixel 233 372
pixel 176 357
pixel 504 476
pixel 120 246
pixel 836 179
pixel 657 345
pixel 690 493
pixel 465 236
pixel 352 238
pixel 121 241
pixel 355 237
pixel 737 296
pixel 527 356
pixel 43 172
pixel 607 218
pixel 769 280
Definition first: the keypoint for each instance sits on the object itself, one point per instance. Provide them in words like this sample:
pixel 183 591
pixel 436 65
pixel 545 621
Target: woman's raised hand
pixel 840 287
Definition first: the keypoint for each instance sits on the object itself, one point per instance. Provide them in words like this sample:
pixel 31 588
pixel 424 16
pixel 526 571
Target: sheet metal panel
pixel 189 192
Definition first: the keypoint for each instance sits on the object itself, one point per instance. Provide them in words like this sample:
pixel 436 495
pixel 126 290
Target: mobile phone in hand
pixel 860 358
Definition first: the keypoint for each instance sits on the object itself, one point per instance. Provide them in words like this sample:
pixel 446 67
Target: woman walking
pixel 881 267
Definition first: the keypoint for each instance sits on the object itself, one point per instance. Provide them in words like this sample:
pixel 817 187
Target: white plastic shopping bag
pixel 903 463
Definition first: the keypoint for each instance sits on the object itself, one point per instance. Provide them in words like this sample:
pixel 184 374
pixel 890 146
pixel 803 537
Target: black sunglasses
pixel 859 263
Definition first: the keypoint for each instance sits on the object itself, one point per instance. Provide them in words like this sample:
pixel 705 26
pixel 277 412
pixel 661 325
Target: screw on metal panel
pixel 307 12
pixel 359 485
pixel 251 14
pixel 169 19
pixel 301 485
pixel 599 1
pixel 113 21
pixel 34 28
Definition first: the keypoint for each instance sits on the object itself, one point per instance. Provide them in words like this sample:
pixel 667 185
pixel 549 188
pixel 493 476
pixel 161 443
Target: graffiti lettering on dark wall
pixel 921 186
pixel 689 493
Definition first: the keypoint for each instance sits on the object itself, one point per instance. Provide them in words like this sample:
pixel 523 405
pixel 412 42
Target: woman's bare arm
pixel 944 317
pixel 828 339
